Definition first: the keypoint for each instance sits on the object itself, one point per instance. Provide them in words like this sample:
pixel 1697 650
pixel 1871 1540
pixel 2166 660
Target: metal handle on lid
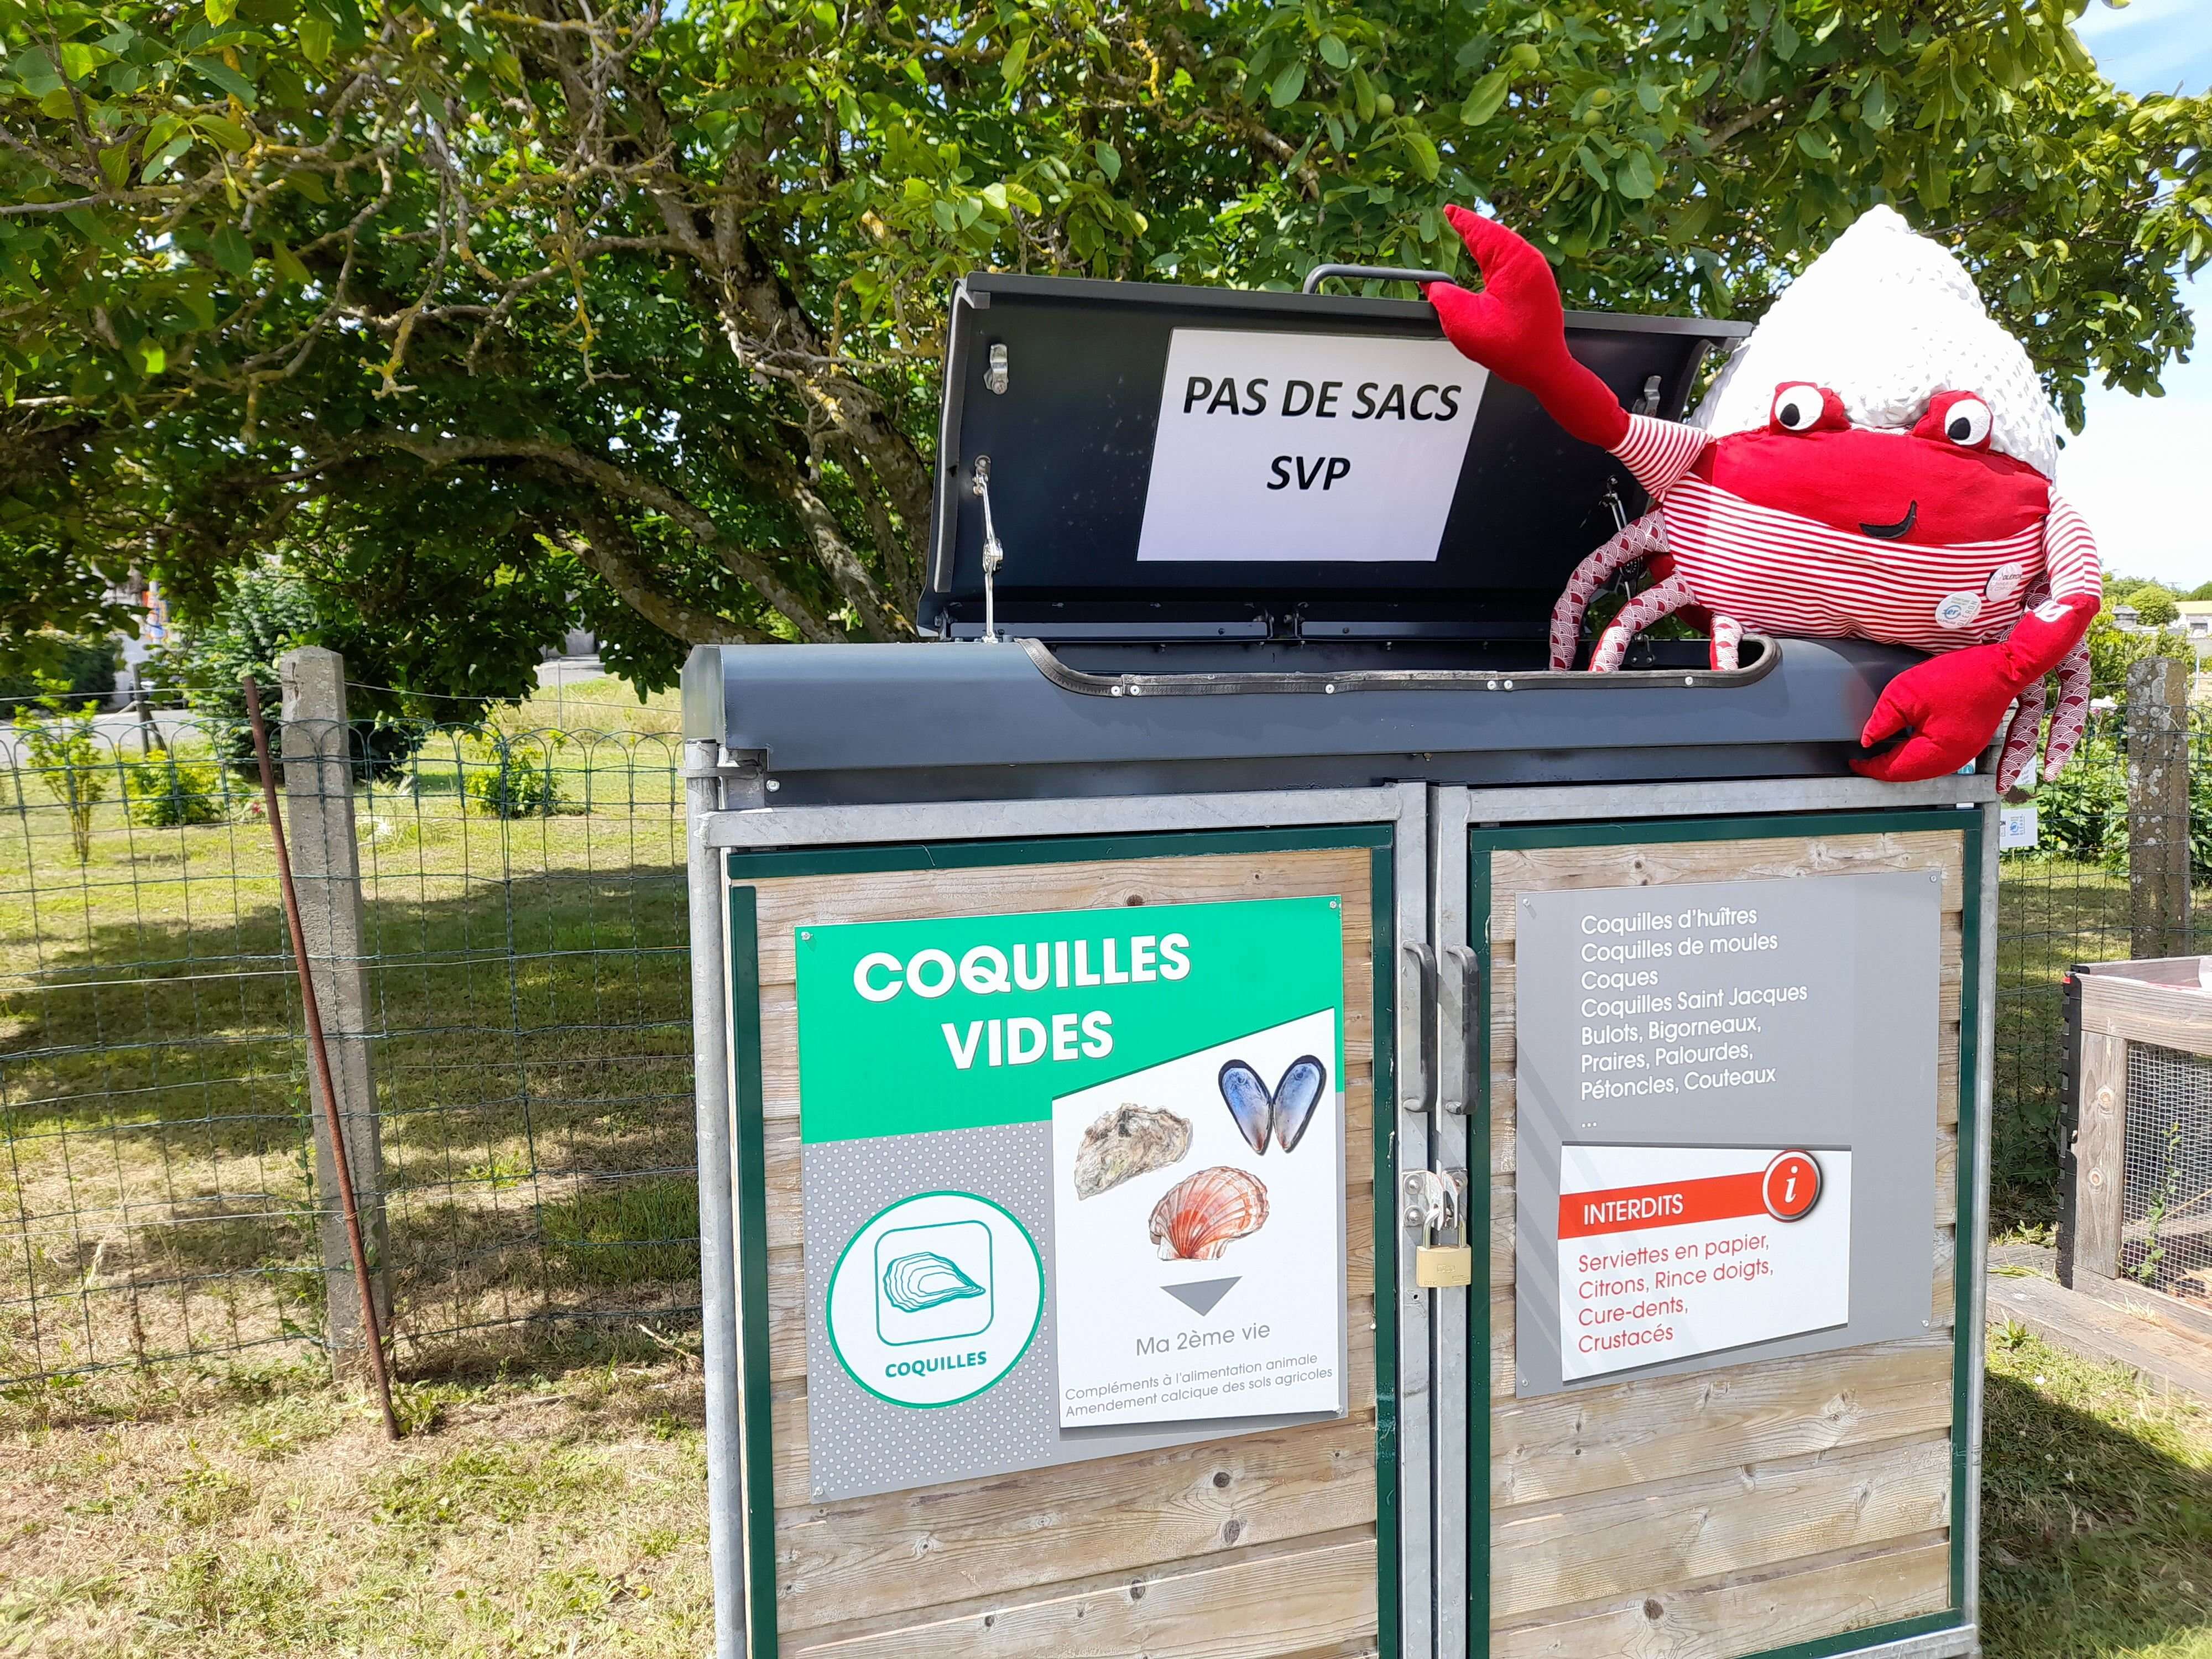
pixel 1321 274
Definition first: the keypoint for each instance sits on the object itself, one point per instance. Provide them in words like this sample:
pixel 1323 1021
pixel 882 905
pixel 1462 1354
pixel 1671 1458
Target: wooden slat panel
pixel 1038 1563
pixel 1661 1428
pixel 857 1559
pixel 1720 1512
pixel 793 1500
pixel 1627 1541
pixel 1502 1229
pixel 1105 884
pixel 2099 1154
pixel 1947 1177
pixel 1502 1315
pixel 1756 1613
pixel 1289 1601
pixel 2170 1016
pixel 1943 1299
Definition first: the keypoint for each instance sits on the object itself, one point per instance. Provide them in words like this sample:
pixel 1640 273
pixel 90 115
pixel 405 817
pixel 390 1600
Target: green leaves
pixel 1678 154
pixel 229 248
pixel 1486 98
pixel 1635 178
pixel 228 79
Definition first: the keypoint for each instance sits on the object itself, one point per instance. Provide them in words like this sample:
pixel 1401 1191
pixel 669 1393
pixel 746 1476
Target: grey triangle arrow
pixel 1201 1298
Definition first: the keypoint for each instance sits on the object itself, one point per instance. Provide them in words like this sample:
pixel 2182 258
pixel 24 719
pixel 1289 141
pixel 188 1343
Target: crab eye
pixel 1956 417
pixel 1966 423
pixel 1800 407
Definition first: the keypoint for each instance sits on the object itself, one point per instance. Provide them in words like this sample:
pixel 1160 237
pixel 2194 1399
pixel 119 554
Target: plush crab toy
pixel 1874 463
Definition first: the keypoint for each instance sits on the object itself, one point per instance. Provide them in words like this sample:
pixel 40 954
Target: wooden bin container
pixel 2136 1203
pixel 1806 1491
pixel 1815 1503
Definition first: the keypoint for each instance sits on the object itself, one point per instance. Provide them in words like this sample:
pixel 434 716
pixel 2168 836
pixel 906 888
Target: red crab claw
pixel 1515 328
pixel 1950 703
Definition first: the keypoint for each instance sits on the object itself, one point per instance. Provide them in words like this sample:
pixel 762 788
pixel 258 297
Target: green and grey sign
pixel 1156 1090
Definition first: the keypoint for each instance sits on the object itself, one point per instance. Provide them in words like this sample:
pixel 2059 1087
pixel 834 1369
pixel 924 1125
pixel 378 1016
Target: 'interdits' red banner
pixel 1671 1204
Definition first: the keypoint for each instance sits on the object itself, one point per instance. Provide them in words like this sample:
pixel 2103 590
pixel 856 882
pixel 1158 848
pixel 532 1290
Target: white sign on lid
pixel 1307 447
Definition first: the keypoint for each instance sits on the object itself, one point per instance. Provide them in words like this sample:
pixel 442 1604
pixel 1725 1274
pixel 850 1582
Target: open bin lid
pixel 1166 462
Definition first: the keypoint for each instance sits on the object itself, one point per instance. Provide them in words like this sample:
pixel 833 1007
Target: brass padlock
pixel 1437 1199
pixel 1443 1266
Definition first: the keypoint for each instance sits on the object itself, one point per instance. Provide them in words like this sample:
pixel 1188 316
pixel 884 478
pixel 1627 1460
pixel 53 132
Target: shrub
pixel 167 793
pixel 2077 816
pixel 66 751
pixel 509 785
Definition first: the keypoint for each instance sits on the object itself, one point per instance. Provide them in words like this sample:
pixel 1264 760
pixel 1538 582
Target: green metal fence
pixel 526 1021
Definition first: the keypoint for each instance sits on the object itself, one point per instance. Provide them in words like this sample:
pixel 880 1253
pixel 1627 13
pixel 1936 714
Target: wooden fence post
pixel 2158 807
pixel 326 867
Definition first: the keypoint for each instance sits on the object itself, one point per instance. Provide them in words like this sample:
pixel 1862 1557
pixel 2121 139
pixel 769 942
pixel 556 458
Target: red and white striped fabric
pixel 1782 573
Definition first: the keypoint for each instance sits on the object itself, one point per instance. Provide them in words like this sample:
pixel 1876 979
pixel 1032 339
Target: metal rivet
pixel 1493 685
pixel 772 784
pixel 1329 688
pixel 1118 690
pixel 1689 679
pixel 1509 685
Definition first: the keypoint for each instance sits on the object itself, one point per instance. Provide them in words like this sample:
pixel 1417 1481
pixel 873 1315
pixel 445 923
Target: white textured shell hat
pixel 1885 318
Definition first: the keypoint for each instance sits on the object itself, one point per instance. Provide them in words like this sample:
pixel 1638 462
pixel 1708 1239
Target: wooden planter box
pixel 2136 1197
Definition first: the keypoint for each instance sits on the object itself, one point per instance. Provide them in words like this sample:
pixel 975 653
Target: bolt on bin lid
pixel 1171 462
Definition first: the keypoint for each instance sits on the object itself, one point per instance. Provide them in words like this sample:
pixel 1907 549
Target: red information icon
pixel 1791 1185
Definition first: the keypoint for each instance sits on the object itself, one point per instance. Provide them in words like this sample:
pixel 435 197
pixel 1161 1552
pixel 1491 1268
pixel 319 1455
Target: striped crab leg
pixel 1638 614
pixel 1633 541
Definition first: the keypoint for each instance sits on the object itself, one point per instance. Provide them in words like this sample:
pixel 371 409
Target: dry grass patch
pixel 529 1512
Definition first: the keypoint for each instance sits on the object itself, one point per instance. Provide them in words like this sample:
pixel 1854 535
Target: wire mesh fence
pixel 2082 895
pixel 524 1024
pixel 2166 1204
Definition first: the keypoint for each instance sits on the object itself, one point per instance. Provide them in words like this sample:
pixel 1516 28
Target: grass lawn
pixel 542 1510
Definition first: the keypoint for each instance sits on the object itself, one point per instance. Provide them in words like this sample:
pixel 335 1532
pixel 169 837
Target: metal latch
pixel 994 378
pixel 1436 1202
pixel 979 485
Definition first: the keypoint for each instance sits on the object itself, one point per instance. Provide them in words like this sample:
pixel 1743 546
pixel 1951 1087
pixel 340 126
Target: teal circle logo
pixel 935 1299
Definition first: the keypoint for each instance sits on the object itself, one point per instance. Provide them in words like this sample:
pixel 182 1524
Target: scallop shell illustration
pixel 926 1280
pixel 1127 1142
pixel 1201 1215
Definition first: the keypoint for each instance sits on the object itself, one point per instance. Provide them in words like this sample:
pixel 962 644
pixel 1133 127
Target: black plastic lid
pixel 1070 442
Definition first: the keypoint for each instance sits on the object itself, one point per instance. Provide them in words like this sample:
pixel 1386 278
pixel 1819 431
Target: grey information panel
pixel 1726 1124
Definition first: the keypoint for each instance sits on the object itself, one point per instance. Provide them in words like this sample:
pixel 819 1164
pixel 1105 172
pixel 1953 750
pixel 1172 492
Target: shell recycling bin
pixel 1242 1117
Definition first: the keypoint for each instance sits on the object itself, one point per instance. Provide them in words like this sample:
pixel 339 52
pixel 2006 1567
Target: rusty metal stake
pixel 319 1052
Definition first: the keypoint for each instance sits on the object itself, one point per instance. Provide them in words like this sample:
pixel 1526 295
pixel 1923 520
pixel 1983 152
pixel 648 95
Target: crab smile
pixel 1890 533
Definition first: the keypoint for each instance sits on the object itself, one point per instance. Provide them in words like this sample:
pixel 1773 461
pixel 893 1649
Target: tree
pixel 647 307
pixel 66 754
pixel 2154 605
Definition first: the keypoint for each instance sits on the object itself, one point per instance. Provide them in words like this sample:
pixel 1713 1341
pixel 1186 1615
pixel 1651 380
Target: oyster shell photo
pixel 1128 1141
pixel 926 1280
pixel 1201 1215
